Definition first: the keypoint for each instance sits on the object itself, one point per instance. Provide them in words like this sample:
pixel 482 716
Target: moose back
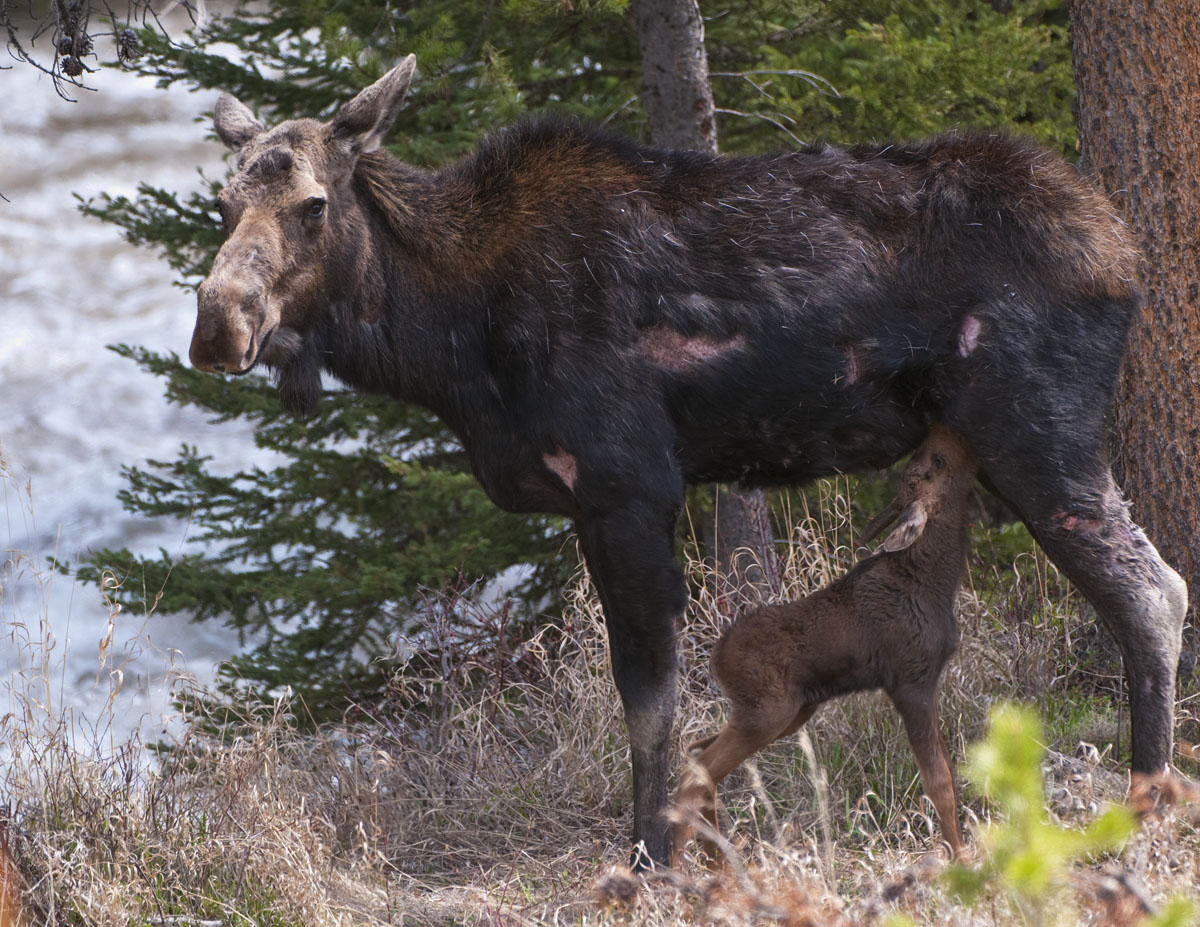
pixel 602 323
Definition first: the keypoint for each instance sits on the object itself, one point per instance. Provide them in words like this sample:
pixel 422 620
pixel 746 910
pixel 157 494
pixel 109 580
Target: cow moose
pixel 601 323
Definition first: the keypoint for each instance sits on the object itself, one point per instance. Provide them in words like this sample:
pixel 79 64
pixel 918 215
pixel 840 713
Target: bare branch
pixel 620 109
pixel 767 118
pixel 816 80
pixel 68 25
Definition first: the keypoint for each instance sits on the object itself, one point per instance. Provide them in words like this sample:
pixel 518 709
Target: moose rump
pixel 601 323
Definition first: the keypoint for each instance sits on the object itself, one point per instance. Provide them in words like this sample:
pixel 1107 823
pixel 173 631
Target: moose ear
pixel 879 522
pixel 911 526
pixel 234 122
pixel 364 121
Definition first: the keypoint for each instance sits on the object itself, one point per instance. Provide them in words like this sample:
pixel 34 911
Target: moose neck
pixel 433 222
pixel 406 316
pixel 945 532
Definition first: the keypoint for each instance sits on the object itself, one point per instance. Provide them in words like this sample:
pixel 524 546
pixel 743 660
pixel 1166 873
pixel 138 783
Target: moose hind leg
pixel 1140 599
pixel 1083 525
pixel 1031 397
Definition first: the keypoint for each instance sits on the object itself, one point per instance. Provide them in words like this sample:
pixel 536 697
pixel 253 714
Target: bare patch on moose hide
pixel 562 465
pixel 968 335
pixel 854 366
pixel 1076 524
pixel 672 350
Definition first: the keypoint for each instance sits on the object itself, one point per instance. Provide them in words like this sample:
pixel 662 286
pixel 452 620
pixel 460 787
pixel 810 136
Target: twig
pixel 816 80
pixel 616 112
pixel 775 122
pixel 480 34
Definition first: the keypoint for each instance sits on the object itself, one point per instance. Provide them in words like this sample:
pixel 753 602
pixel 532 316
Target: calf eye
pixel 316 207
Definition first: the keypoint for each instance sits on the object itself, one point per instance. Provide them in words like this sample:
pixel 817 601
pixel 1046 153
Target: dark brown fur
pixel 888 623
pixel 602 323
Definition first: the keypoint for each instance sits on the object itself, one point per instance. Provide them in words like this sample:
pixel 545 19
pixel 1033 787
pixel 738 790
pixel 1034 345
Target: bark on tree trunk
pixel 675 87
pixel 679 105
pixel 742 545
pixel 1137 76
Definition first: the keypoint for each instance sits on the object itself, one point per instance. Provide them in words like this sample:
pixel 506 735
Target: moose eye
pixel 316 208
pixel 939 461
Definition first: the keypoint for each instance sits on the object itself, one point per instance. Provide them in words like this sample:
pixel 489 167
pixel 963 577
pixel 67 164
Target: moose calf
pixel 888 623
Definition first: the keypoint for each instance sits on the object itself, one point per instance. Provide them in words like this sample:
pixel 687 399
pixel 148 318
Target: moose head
pixel 939 469
pixel 294 226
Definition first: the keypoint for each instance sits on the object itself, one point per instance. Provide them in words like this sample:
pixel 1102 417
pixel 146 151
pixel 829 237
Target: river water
pixel 72 412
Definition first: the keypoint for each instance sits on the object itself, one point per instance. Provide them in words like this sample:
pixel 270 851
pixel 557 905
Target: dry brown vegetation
pixel 492 789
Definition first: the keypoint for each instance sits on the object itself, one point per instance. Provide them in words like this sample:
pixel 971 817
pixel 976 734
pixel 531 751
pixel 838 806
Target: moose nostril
pixel 218 368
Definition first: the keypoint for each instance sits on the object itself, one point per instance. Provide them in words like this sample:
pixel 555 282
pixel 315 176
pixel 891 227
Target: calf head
pixel 940 474
pixel 295 230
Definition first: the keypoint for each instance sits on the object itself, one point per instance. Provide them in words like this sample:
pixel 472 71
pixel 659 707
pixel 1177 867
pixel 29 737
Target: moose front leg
pixel 630 555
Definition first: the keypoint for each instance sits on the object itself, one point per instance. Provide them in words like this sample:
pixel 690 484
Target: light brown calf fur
pixel 888 623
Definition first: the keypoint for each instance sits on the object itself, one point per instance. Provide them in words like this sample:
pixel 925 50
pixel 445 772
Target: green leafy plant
pixel 1026 857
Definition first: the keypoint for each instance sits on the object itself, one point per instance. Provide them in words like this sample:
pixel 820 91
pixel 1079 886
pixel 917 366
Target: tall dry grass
pixel 491 787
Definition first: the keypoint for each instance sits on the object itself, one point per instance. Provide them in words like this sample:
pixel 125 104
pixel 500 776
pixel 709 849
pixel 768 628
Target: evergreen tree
pixel 321 556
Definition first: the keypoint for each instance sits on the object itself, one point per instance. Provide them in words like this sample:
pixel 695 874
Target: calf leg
pixel 697 747
pixel 630 556
pixel 919 711
pixel 800 720
pixel 746 734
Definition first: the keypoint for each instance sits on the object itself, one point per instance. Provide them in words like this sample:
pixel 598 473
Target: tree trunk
pixel 679 105
pixel 675 87
pixel 741 542
pixel 1137 76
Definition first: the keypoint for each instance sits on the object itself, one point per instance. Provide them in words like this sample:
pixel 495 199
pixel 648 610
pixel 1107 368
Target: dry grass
pixel 492 789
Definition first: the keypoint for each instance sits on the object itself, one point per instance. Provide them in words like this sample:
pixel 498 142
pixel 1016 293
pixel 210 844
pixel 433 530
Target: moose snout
pixel 225 337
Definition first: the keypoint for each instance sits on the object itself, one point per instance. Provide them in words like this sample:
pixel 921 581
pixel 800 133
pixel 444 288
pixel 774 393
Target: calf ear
pixel 879 522
pixel 234 122
pixel 911 526
pixel 363 122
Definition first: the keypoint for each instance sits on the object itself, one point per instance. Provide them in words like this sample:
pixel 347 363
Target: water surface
pixel 72 412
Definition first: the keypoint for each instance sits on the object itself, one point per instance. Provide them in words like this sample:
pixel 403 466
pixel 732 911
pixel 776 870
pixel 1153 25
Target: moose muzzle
pixel 227 336
pixel 234 318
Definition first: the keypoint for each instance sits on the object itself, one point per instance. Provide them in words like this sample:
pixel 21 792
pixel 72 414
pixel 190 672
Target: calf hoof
pixel 618 888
